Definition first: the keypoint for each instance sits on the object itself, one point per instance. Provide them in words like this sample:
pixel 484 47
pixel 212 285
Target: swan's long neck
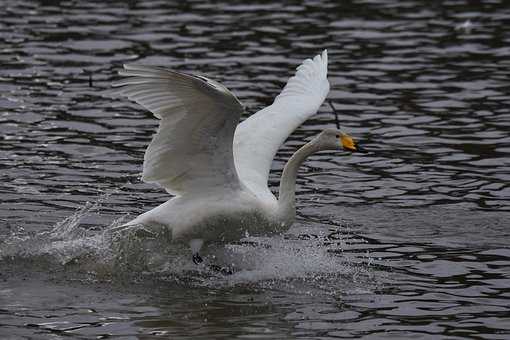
pixel 287 193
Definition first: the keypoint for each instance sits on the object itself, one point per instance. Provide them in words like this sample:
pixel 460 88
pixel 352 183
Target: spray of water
pixel 104 255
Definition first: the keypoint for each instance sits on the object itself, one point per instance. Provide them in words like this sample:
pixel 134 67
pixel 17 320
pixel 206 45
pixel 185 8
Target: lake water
pixel 410 240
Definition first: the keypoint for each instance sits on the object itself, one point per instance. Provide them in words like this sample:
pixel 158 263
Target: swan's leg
pixel 195 245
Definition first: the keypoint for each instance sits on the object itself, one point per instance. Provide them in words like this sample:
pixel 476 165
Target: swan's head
pixel 331 139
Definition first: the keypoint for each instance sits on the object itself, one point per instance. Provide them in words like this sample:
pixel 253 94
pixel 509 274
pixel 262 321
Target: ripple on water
pixel 407 240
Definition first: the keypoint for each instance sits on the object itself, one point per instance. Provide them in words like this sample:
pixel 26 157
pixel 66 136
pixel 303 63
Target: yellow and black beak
pixel 348 143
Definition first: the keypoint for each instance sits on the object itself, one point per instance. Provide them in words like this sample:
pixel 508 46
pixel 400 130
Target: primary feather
pixel 192 149
pixel 258 138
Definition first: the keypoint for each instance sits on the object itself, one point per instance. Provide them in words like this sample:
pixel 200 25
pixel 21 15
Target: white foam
pixel 254 260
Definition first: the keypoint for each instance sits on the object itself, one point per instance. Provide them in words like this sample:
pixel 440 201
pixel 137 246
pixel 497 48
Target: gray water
pixel 410 240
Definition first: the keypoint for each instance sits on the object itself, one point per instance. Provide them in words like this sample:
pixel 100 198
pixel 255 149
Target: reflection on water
pixel 410 239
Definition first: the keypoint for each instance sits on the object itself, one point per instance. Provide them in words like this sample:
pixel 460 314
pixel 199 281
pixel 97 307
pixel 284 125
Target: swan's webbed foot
pixel 197 259
pixel 221 270
pixel 195 245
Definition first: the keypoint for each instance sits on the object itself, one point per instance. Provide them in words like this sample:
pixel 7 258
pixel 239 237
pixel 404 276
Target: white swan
pixel 218 170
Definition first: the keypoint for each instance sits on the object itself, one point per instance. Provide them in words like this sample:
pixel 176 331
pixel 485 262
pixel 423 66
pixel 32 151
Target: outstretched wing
pixel 258 138
pixel 192 149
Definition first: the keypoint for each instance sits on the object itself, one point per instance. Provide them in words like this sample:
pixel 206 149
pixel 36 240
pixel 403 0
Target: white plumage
pixel 192 149
pixel 218 169
pixel 258 138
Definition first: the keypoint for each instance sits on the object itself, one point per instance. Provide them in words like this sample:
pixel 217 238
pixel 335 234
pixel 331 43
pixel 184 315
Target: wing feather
pixel 258 138
pixel 192 149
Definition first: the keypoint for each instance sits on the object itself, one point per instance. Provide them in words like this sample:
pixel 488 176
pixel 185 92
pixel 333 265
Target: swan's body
pixel 218 170
pixel 220 216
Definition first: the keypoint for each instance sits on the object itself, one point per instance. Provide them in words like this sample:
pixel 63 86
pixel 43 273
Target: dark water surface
pixel 410 240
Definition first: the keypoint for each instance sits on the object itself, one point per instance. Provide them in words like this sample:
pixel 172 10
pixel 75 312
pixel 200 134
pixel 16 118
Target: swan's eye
pixel 337 136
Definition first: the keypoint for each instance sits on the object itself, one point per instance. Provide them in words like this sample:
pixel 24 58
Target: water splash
pixel 91 254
